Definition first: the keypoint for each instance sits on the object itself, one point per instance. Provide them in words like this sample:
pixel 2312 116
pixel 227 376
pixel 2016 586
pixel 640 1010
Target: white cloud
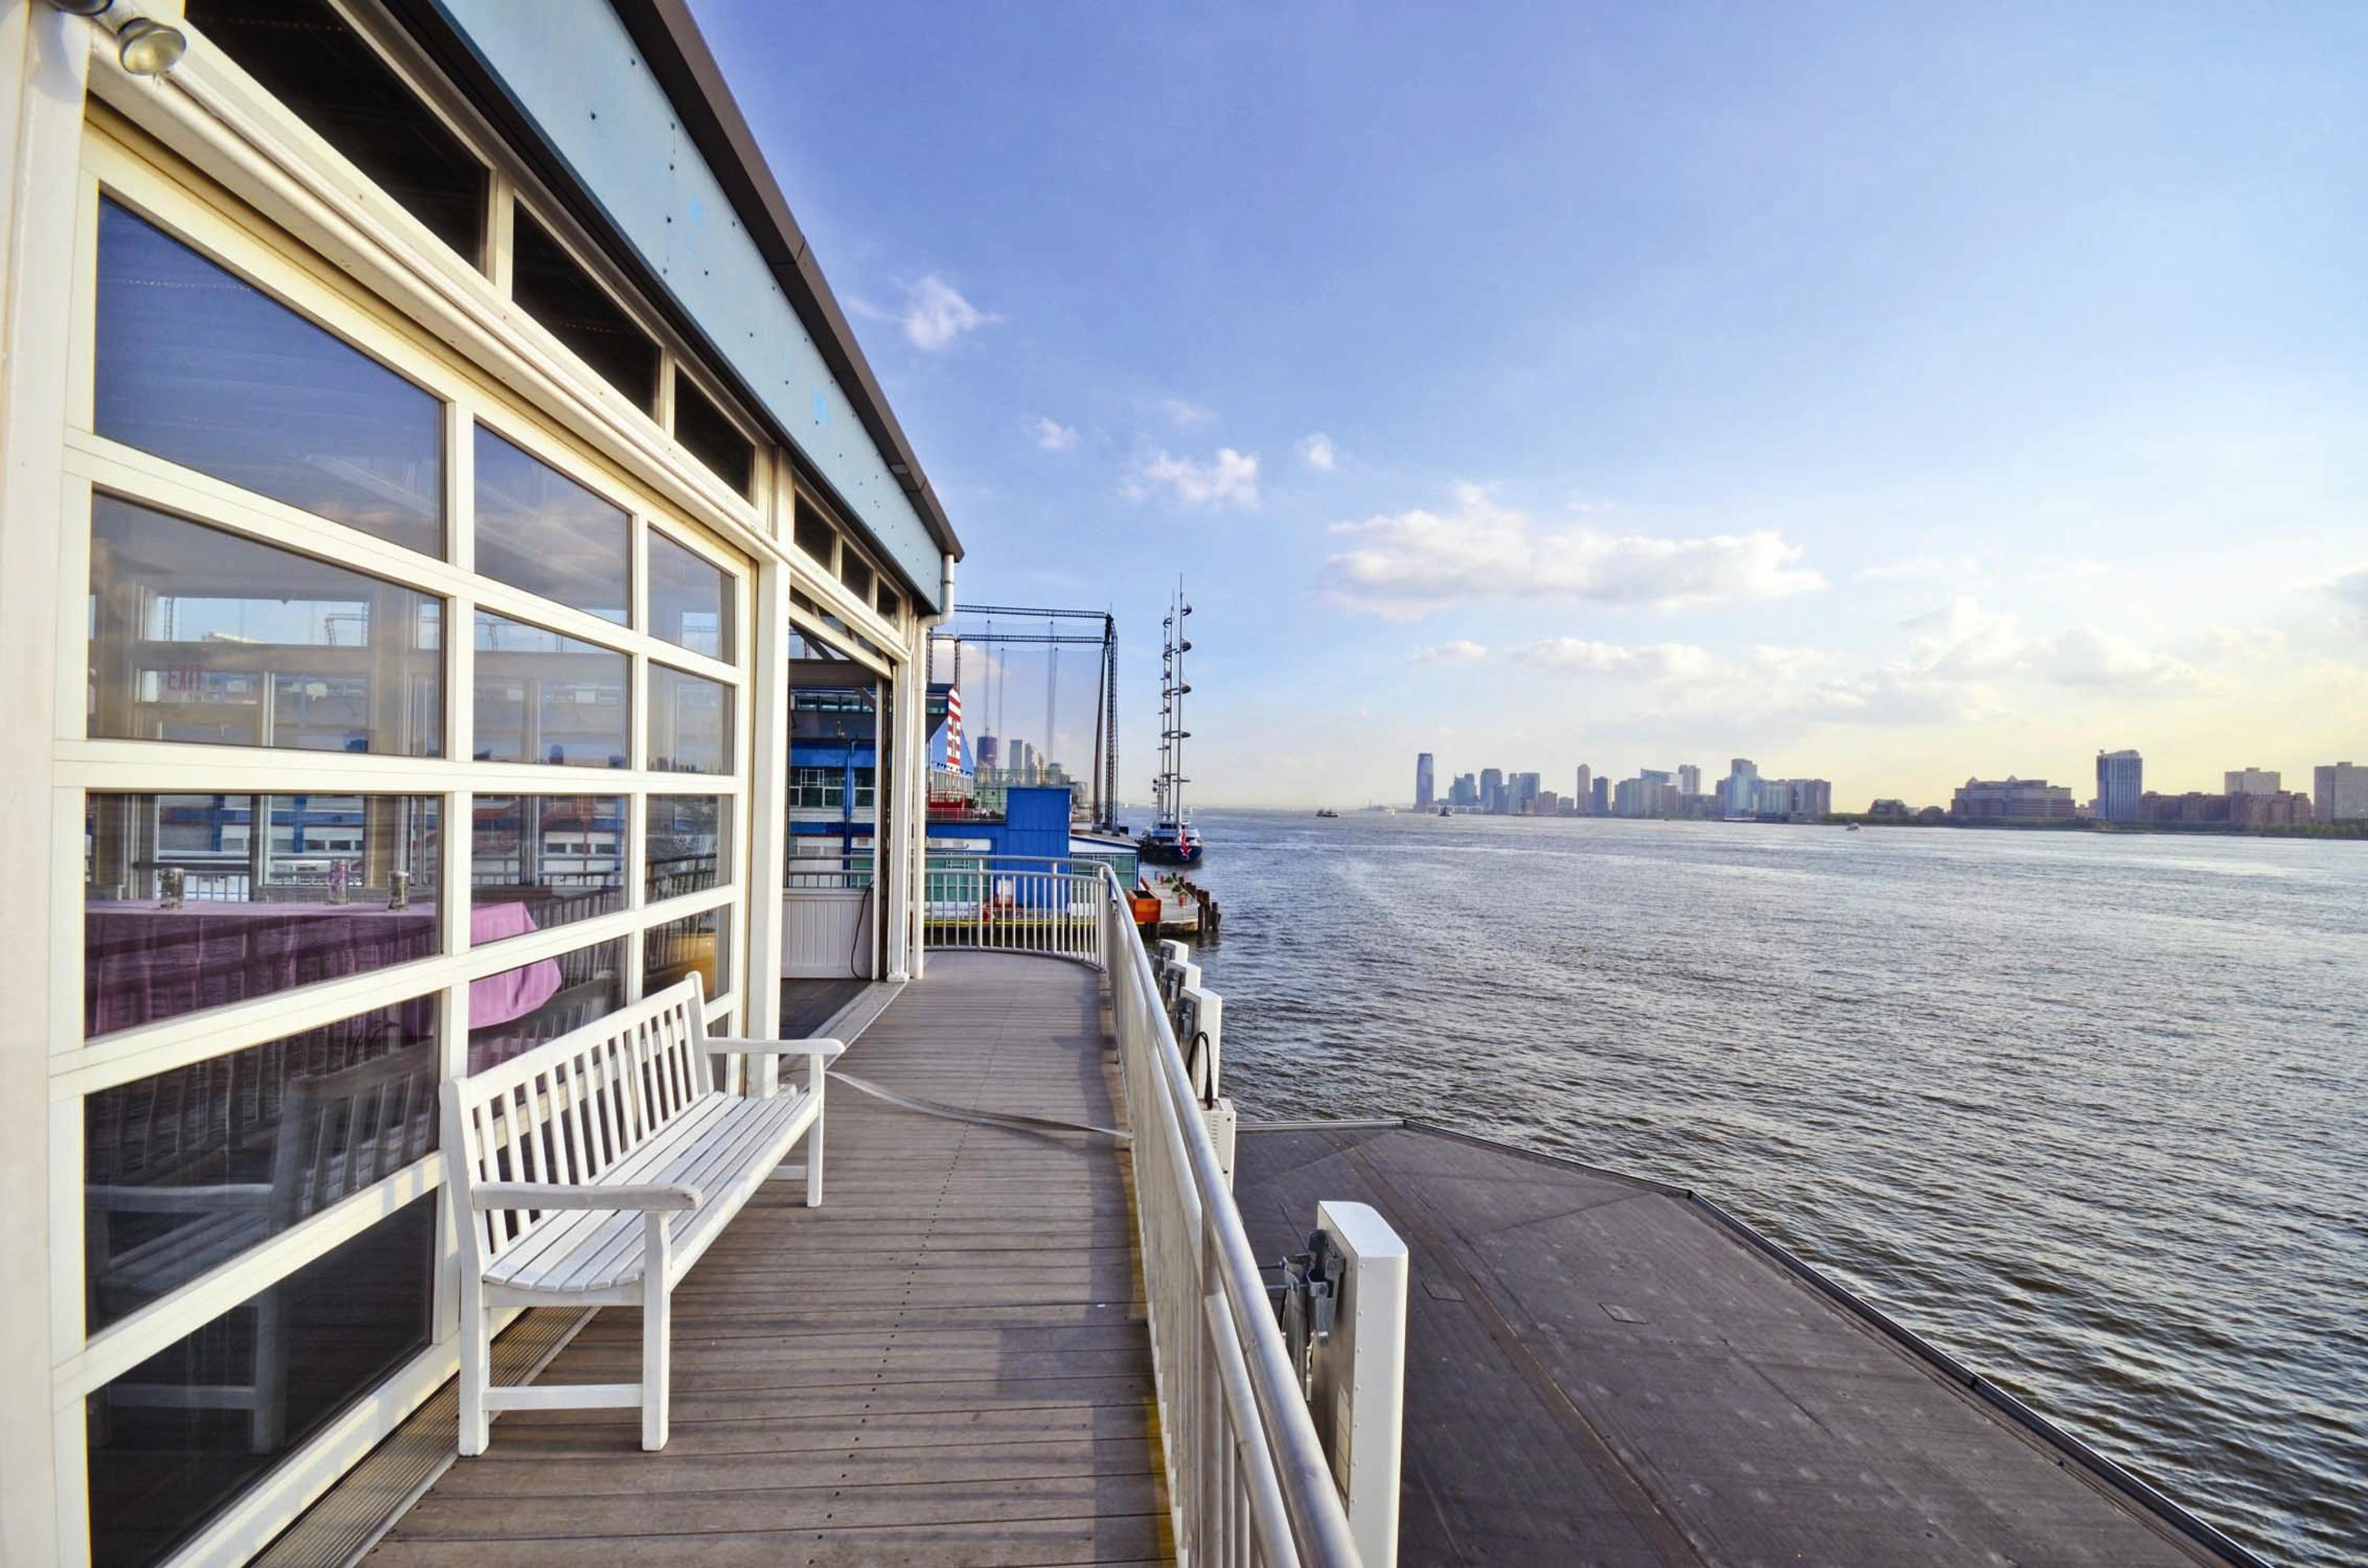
pixel 2086 656
pixel 2068 574
pixel 1229 479
pixel 935 313
pixel 1316 452
pixel 2350 590
pixel 1922 569
pixel 1184 413
pixel 1054 436
pixel 1660 660
pixel 1401 564
pixel 1462 651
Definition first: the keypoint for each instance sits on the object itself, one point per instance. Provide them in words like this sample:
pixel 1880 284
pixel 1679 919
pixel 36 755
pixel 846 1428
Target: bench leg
pixel 476 1365
pixel 815 1077
pixel 656 1338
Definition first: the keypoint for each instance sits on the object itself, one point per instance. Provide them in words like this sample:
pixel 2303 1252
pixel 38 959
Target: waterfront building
pixel 2121 782
pixel 1735 791
pixel 2251 780
pixel 1583 796
pixel 2275 808
pixel 1598 798
pixel 1423 786
pixel 1522 789
pixel 1492 791
pixel 2340 793
pixel 1632 798
pixel 1465 795
pixel 469 496
pixel 1547 804
pixel 1889 808
pixel 2012 800
pixel 1689 779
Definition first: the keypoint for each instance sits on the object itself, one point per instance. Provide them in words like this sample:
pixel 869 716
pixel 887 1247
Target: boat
pixel 1326 812
pixel 1172 840
pixel 1445 811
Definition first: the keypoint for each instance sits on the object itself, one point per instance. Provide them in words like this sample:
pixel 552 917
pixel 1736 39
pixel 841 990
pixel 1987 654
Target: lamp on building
pixel 144 46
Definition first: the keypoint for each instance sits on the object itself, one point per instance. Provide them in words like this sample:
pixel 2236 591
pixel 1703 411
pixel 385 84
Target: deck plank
pixel 947 1363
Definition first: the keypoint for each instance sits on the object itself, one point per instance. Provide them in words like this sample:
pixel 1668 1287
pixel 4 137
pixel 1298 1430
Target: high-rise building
pixel 2121 784
pixel 1598 798
pixel 1492 789
pixel 1548 803
pixel 1465 793
pixel 1422 781
pixel 1522 792
pixel 1584 796
pixel 988 752
pixel 2251 780
pixel 1689 779
pixel 1734 793
pixel 2339 791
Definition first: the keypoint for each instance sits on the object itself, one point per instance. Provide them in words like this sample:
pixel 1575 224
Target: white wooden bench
pixel 595 1170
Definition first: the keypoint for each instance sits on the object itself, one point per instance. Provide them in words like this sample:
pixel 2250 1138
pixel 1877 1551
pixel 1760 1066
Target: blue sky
pixel 1886 398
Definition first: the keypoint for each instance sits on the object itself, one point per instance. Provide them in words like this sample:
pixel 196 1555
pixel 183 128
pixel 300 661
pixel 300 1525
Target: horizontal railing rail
pixel 1248 1479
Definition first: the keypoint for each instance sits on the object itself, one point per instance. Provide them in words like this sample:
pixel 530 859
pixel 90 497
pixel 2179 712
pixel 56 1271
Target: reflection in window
pixel 304 55
pixel 687 847
pixel 821 789
pixel 711 437
pixel 537 861
pixel 200 901
pixel 690 722
pixel 175 1439
pixel 696 945
pixel 203 635
pixel 539 531
pixel 203 370
pixel 552 288
pixel 187 1169
pixel 541 696
pixel 690 599
pixel 513 1012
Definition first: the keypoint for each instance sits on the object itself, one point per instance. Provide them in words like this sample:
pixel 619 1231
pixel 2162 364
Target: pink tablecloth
pixel 143 964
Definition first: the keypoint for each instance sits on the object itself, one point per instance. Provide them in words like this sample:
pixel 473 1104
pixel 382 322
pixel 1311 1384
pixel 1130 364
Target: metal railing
pixel 1011 904
pixel 1248 1479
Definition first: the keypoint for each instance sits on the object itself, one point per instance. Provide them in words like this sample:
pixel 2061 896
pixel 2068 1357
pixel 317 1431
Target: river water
pixel 2089 1112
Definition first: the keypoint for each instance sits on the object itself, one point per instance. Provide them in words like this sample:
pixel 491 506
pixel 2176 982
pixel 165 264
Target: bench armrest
pixel 558 1195
pixel 825 1049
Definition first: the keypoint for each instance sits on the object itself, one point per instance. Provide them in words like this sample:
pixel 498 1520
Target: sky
pixel 1887 394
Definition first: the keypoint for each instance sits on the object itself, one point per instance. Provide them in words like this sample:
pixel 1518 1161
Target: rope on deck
pixel 1012 1121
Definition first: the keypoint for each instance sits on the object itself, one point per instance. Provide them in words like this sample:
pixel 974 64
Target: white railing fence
pixel 1048 907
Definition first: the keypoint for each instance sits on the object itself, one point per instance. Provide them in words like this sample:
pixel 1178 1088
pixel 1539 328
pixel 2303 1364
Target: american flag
pixel 953 729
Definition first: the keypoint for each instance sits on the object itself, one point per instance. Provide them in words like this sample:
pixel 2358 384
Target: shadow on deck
pixel 945 1363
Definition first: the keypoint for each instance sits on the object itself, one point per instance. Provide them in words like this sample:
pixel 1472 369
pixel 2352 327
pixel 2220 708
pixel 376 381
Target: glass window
pixel 544 698
pixel 203 635
pixel 186 906
pixel 696 944
pixel 304 55
pixel 709 435
pixel 815 535
pixel 202 369
pixel 690 599
pixel 537 861
pixel 513 1012
pixel 539 531
pixel 687 847
pixel 890 604
pixel 175 1439
pixel 187 1169
pixel 552 287
pixel 855 573
pixel 690 722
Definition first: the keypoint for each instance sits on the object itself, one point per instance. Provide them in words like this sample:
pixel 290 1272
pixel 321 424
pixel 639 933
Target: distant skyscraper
pixel 2121 782
pixel 1734 793
pixel 2340 791
pixel 1465 792
pixel 1492 789
pixel 1523 789
pixel 1689 779
pixel 1599 799
pixel 1422 781
pixel 2250 781
pixel 988 752
pixel 1584 796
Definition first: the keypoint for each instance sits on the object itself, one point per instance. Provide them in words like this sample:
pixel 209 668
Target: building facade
pixel 2012 800
pixel 1424 787
pixel 2121 784
pixel 1465 794
pixel 2250 781
pixel 1736 790
pixel 1492 789
pixel 2340 793
pixel 1583 794
pixel 435 429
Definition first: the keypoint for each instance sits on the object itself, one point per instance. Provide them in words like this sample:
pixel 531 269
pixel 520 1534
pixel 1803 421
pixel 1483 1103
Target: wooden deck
pixel 946 1363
